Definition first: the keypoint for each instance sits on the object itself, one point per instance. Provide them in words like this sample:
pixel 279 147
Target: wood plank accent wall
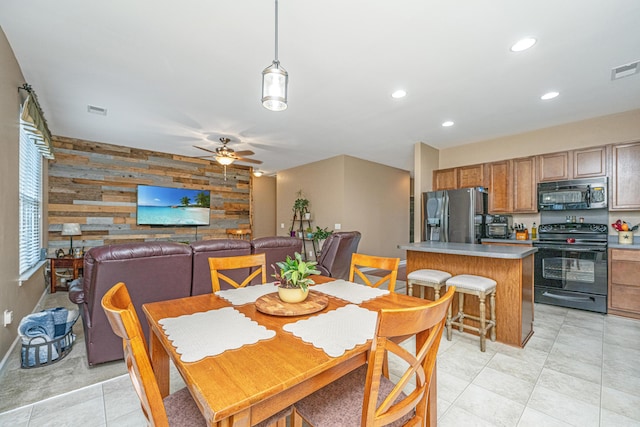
pixel 95 184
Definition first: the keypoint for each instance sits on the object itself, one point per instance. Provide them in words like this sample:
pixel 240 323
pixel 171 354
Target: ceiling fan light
pixel 223 160
pixel 275 80
pixel 257 173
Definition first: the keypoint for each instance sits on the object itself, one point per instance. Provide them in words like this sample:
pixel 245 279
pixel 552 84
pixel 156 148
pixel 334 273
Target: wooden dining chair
pixel 364 397
pixel 381 263
pixel 177 409
pixel 256 261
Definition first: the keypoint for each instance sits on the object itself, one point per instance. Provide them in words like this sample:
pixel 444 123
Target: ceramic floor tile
pixel 118 402
pixel 564 408
pixel 489 406
pixel 623 341
pixel 48 406
pixel 83 412
pixel 131 419
pixel 569 365
pixel 532 418
pixel 621 381
pixel 17 417
pixel 458 417
pixel 621 403
pixel 540 343
pixel 523 369
pixel 505 385
pixel 580 353
pixel 611 419
pixel 568 385
pixel 450 387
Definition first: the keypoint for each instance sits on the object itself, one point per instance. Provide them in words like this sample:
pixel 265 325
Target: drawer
pixel 625 255
pixel 625 298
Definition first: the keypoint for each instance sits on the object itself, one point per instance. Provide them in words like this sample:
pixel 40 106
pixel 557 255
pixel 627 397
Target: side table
pixel 68 263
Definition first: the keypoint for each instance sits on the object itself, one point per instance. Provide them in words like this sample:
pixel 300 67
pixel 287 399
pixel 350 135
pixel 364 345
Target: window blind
pixel 30 201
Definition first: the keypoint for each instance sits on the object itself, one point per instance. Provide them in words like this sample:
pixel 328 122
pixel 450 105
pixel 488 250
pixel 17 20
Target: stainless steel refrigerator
pixel 454 215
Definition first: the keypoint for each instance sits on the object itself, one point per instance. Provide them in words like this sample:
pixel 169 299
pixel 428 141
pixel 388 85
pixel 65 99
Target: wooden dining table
pixel 244 386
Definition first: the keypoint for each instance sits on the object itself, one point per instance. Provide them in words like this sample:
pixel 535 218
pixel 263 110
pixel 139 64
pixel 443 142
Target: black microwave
pixel 588 193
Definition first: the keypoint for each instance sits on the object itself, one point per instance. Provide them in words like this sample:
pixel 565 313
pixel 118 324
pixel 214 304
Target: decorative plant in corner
pixel 294 276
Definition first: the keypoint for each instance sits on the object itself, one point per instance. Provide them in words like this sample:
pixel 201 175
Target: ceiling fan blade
pixel 244 153
pixel 205 149
pixel 242 159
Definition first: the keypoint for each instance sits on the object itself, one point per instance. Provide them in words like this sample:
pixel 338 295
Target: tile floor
pixel 579 369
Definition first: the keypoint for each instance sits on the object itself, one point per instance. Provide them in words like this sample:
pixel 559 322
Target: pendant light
pixel 275 80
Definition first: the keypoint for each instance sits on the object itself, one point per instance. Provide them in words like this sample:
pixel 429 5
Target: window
pixel 30 201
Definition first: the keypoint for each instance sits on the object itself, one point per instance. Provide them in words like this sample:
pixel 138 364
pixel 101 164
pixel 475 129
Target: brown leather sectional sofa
pixel 155 271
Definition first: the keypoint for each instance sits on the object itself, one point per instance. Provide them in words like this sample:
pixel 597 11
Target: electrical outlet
pixel 337 226
pixel 8 317
pixel 282 225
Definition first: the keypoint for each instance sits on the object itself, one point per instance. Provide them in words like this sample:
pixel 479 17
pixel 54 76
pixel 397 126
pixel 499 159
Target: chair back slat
pixel 255 265
pixel 358 261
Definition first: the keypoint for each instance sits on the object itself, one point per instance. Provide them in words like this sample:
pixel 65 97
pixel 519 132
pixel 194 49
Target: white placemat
pixel 248 294
pixel 349 291
pixel 196 336
pixel 338 330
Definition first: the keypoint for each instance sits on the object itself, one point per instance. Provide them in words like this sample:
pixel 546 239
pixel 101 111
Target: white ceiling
pixel 176 74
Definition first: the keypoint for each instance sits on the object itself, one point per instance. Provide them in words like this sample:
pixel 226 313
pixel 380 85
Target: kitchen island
pixel 510 266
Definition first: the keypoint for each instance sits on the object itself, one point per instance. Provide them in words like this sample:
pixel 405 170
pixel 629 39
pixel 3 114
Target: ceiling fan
pixel 225 155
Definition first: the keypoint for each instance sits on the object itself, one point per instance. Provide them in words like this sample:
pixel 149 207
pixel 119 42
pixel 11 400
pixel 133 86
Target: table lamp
pixel 71 229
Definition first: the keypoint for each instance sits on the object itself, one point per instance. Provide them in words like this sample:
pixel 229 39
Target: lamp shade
pixel 71 229
pixel 275 80
pixel 224 160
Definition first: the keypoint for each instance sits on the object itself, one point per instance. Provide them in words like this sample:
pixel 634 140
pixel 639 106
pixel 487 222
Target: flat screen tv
pixel 172 206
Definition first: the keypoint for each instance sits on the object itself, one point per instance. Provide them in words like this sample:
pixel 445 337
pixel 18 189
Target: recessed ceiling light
pixel 549 95
pixel 399 94
pixel 523 44
pixel 447 124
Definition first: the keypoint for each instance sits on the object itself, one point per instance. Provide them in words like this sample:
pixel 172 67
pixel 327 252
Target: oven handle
pixel 571 248
pixel 568 298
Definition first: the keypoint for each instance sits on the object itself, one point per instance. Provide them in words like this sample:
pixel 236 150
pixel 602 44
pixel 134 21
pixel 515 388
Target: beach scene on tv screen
pixel 172 206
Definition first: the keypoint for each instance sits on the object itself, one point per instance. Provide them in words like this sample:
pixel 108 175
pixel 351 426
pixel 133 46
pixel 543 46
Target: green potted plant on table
pixel 293 279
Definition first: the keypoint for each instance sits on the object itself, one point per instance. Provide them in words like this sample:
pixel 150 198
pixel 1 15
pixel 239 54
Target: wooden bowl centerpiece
pixel 293 278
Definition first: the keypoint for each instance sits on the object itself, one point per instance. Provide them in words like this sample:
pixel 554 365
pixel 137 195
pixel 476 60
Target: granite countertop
pixel 468 249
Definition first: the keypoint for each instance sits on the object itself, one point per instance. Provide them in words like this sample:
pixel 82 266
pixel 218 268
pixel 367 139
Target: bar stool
pixel 480 287
pixel 432 278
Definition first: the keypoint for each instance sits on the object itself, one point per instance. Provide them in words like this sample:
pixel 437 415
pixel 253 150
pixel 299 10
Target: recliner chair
pixel 335 259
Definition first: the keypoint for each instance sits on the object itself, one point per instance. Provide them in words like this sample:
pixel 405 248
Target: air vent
pixel 625 70
pixel 97 110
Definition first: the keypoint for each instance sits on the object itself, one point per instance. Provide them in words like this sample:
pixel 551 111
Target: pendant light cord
pixel 276 60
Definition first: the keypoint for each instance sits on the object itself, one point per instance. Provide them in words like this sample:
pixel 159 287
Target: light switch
pixel 282 225
pixel 337 226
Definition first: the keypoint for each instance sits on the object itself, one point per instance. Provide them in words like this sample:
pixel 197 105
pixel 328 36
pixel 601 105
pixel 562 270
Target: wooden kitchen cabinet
pixel 500 187
pixel 624 288
pixel 524 185
pixel 445 179
pixel 573 164
pixel 471 176
pixel 589 162
pixel 554 166
pixel 625 185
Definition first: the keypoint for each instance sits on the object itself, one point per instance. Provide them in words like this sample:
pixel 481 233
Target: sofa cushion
pixel 275 249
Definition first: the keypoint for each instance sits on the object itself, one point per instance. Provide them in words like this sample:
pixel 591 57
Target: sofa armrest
pixel 76 292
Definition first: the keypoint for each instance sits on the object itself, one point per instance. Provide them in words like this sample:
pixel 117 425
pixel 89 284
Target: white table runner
pixel 353 292
pixel 338 330
pixel 226 329
pixel 248 294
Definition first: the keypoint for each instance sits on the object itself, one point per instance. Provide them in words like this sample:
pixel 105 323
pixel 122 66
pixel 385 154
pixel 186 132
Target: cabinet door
pixel 554 166
pixel 445 179
pixel 524 185
pixel 624 289
pixel 471 176
pixel 500 190
pixel 625 185
pixel 590 162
